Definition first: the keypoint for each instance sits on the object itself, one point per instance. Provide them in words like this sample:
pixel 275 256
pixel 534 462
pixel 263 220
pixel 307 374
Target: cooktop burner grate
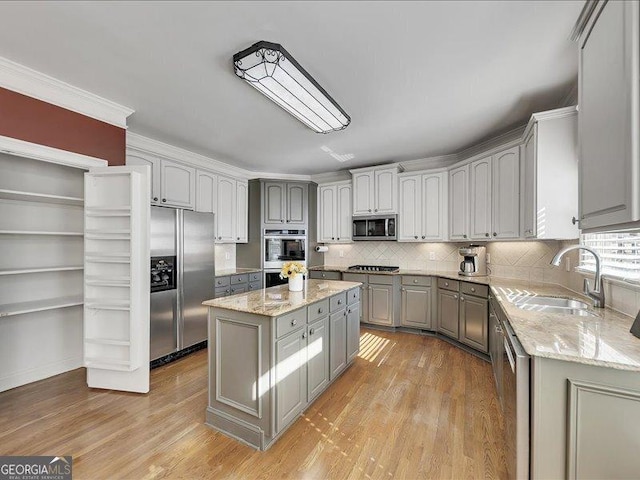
pixel 374 268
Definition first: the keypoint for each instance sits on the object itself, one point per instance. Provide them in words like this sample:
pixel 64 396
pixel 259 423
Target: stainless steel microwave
pixel 375 227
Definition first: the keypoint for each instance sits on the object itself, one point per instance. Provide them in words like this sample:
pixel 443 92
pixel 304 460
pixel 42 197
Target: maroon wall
pixel 35 121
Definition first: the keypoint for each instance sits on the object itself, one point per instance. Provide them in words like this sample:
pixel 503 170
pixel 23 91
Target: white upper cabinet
pixel 480 204
pixel 334 213
pixel 609 118
pixel 154 163
pixel 177 185
pixel 459 203
pixel 206 191
pixel 285 203
pixel 550 180
pixel 226 214
pixel 375 191
pixel 242 212
pixel 422 207
pixel 506 194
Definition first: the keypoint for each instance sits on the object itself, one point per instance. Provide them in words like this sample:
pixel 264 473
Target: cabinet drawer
pixel 255 285
pixel 338 302
pixel 353 296
pixel 447 284
pixel 238 289
pixel 222 292
pixel 221 282
pixel 238 279
pixel 381 279
pixel 325 275
pixel 355 277
pixel 416 280
pixel 318 310
pixel 255 277
pixel 474 289
pixel 291 322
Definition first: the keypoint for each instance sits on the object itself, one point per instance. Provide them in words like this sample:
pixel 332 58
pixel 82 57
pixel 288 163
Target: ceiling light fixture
pixel 271 70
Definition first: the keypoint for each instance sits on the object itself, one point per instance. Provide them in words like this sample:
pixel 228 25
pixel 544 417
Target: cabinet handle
pixel 164 199
pixel 294 322
pixel 495 234
pixel 312 331
pixel 155 199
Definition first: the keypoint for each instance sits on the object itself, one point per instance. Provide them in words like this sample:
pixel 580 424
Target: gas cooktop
pixel 374 268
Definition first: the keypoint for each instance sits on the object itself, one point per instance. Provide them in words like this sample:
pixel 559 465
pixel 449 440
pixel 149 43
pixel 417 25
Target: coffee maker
pixel 474 260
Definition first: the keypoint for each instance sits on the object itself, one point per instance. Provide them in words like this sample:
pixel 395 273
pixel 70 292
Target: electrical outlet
pixel 488 258
pixel 432 255
pixel 567 263
pixel 341 254
pixel 227 256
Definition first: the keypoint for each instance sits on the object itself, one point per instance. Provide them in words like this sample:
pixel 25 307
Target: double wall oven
pixel 280 247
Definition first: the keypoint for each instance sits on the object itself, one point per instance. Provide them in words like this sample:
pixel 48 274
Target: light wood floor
pixel 410 407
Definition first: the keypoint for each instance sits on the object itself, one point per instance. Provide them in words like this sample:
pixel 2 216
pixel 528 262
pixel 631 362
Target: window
pixel 620 253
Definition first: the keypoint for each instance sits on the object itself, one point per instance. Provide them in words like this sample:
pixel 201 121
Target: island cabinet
pixel 273 352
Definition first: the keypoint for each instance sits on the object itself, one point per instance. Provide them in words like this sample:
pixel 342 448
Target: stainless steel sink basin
pixel 532 307
pixel 552 302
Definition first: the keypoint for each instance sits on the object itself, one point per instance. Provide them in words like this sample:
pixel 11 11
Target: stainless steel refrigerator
pixel 182 272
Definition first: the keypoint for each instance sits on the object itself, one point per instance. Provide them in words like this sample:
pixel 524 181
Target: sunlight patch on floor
pixel 371 346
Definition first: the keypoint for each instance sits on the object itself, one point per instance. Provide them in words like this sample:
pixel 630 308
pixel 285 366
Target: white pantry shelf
pixel 107 304
pixel 20 271
pixel 107 341
pixel 107 257
pixel 39 305
pixel 107 364
pixel 27 232
pixel 40 197
pixel 102 281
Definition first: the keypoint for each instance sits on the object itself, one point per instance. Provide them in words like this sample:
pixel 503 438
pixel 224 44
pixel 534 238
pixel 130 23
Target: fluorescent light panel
pixel 271 70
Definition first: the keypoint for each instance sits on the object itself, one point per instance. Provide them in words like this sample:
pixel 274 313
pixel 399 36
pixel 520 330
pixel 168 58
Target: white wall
pixel 225 256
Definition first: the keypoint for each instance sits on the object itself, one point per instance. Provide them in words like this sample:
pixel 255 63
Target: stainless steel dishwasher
pixel 516 402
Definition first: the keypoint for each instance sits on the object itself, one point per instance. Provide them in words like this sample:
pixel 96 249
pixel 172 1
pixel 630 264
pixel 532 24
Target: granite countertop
pixel 236 271
pixel 276 301
pixel 603 340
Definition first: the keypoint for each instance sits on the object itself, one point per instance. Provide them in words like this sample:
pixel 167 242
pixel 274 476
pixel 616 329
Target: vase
pixel 296 283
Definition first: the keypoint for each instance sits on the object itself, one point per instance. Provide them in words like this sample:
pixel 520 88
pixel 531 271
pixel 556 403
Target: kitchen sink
pixel 557 305
pixel 552 302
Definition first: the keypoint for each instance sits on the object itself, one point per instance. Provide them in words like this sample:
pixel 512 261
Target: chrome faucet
pixel 597 294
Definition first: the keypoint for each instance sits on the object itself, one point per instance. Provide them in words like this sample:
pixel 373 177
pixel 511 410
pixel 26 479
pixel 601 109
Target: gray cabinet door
pixel 448 313
pixel 274 203
pixel 353 331
pixel 381 304
pixel 317 357
pixel 296 203
pixel 416 307
pixel 337 342
pixel 474 313
pixel 291 378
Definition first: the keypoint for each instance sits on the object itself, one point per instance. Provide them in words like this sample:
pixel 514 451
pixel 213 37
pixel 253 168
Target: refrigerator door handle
pixel 180 260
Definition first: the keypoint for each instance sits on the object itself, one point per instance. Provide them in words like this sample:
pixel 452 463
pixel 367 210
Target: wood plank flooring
pixel 410 407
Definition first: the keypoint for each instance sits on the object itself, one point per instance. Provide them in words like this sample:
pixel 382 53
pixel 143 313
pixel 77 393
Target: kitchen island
pixel 272 352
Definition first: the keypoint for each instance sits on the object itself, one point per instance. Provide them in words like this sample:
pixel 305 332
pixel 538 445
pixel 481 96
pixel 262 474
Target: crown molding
pixel 331 177
pixel 279 176
pixel 32 83
pixel 145 145
pixel 430 163
pixel 21 148
pixel 583 19
pixel 548 115
pixel 571 97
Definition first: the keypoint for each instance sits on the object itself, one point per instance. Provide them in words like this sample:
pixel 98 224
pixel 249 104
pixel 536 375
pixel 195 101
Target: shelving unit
pixel 20 308
pixel 24 271
pixel 40 197
pixel 27 232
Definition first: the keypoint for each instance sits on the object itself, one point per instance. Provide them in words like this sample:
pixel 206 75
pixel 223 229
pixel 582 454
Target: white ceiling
pixel 418 79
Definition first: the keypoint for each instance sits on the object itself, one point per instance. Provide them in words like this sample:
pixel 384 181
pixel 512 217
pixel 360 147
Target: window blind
pixel 620 253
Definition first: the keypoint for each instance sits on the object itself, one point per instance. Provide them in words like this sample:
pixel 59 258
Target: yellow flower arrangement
pixel 291 269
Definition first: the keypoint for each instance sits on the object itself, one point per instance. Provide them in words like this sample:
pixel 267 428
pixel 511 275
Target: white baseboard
pixel 24 377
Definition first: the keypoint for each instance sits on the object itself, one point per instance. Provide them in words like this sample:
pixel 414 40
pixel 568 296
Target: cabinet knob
pixel 294 322
pixel 319 310
pixel 312 331
pixel 415 280
pixel 423 237
pixel 333 238
pixel 473 289
pixel 281 221
pixel 574 220
pixel 416 237
pixel 164 200
pixel 495 234
pixel 403 289
pixel 324 275
pixel 344 314
pixel 376 209
pixel 349 311
pixel 338 238
pixel 228 291
pixel 369 209
pixel 155 199
pixel 464 236
pixel 486 234
pixel 304 334
pixel 455 297
pixel 461 298
pixel 339 302
pixel 287 221
pixel 446 284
